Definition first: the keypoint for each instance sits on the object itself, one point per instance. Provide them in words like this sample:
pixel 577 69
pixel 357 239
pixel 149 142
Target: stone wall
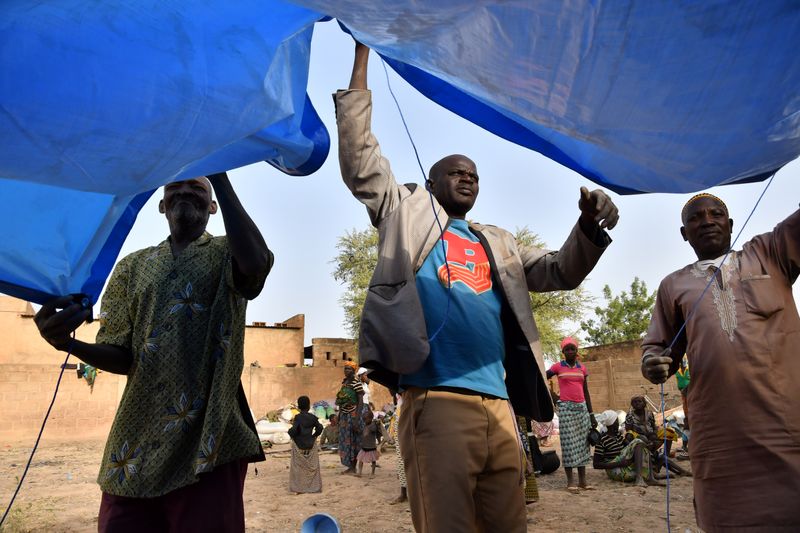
pixel 271 345
pixel 26 391
pixel 22 343
pixel 270 388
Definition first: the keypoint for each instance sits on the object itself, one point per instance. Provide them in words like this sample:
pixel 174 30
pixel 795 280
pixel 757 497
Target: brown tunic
pixel 743 345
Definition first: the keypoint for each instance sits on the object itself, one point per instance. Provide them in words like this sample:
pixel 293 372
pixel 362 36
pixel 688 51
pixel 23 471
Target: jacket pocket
pixel 393 331
pixel 387 291
pixel 761 296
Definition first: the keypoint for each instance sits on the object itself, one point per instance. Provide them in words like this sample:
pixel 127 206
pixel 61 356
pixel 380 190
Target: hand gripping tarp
pixel 638 96
pixel 102 102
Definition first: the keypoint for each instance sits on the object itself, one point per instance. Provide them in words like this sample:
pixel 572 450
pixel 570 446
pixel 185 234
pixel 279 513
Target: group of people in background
pixel 632 456
pixel 355 432
pixel 629 451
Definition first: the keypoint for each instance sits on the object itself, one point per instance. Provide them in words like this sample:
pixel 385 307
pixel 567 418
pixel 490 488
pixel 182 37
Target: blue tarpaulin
pixel 100 103
pixel 638 96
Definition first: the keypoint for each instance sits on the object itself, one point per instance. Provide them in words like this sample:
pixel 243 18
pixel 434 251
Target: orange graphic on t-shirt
pixel 468 263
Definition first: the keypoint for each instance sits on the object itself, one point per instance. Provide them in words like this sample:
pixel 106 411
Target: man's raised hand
pixel 598 207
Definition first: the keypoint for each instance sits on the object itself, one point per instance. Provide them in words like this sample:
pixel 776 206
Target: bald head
pixel 442 166
pixel 188 204
pixel 200 182
pixel 453 180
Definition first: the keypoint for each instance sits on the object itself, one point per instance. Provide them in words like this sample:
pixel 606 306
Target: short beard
pixel 185 217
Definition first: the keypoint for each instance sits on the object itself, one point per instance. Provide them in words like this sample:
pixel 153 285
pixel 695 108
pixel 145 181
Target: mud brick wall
pixel 26 390
pixel 270 388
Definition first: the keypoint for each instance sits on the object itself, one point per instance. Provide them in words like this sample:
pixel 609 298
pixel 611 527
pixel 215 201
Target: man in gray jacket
pixel 447 319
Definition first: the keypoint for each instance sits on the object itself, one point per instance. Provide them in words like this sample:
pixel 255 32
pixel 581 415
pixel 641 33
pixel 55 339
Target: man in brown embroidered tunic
pixel 742 344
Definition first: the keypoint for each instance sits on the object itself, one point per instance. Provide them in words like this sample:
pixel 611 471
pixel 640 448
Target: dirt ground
pixel 60 495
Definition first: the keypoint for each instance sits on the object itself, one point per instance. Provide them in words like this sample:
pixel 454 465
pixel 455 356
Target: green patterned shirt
pixel 183 410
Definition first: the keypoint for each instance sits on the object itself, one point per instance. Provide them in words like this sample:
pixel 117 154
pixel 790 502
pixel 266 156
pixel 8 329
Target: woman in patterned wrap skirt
pixel 351 424
pixel 574 420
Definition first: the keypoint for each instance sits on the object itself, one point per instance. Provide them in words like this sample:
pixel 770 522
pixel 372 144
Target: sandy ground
pixel 60 494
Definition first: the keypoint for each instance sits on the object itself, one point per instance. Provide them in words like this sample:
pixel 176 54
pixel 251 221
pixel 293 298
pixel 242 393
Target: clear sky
pixel 301 218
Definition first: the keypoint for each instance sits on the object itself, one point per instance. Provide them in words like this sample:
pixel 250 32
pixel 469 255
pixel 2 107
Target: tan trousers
pixel 464 463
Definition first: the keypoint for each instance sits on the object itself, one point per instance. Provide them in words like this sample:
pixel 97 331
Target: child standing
pixel 370 438
pixel 304 473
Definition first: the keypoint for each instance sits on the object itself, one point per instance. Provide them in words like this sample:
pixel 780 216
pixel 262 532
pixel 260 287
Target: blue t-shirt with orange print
pixel 469 350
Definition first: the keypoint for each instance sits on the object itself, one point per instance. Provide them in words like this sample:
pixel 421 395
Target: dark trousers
pixel 214 503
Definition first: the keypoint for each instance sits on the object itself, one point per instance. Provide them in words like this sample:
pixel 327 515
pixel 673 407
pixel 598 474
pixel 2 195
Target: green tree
pixel 358 254
pixel 625 316
pixel 356 259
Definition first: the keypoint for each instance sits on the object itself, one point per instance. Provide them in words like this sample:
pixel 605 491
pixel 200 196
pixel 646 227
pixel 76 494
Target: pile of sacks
pixel 274 427
pixel 323 409
pixel 273 432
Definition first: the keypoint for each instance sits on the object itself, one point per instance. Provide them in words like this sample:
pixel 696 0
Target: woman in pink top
pixel 574 406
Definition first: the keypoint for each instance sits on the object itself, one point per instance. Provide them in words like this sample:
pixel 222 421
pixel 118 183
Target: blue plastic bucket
pixel 320 523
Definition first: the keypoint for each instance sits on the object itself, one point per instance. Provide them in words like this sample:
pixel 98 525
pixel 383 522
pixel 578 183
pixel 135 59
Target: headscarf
pixel 567 341
pixel 606 419
pixel 351 364
pixel 361 370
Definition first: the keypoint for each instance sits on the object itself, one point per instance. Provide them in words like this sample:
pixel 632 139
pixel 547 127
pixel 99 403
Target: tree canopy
pixel 625 316
pixel 356 259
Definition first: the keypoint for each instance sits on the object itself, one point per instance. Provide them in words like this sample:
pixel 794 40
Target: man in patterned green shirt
pixel 172 320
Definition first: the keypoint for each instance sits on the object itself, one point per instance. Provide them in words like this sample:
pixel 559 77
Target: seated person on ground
pixel 330 435
pixel 641 423
pixel 622 461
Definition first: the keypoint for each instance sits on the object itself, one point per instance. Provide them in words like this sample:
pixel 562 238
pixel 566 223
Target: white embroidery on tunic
pixel 724 299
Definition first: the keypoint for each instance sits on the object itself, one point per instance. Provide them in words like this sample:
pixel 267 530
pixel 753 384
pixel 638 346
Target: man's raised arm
pixel 252 260
pixel 358 79
pixel 365 171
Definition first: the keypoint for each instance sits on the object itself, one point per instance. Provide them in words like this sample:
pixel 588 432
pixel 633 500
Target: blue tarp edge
pixel 486 117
